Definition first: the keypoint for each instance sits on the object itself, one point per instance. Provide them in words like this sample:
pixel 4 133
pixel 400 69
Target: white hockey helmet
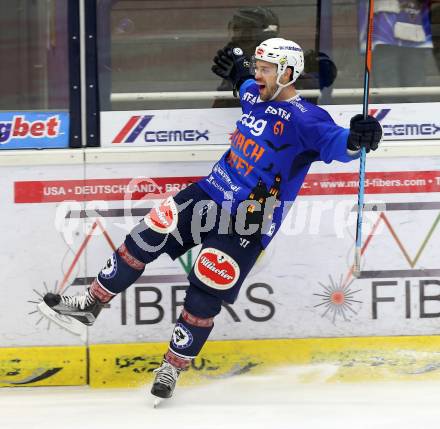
pixel 284 53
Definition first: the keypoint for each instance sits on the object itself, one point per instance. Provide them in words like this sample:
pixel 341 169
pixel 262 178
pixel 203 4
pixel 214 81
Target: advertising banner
pixel 405 121
pixel 167 127
pixel 301 286
pixel 34 130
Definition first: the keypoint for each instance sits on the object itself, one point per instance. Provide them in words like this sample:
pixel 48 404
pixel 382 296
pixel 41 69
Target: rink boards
pixel 62 218
pixel 317 360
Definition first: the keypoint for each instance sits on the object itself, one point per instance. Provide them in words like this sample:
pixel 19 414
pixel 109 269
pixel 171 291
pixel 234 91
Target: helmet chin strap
pixel 281 86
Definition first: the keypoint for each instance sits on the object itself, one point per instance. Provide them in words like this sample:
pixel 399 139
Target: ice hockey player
pixel 243 200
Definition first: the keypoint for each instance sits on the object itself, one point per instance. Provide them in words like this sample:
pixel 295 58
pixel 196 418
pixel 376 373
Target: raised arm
pixel 232 64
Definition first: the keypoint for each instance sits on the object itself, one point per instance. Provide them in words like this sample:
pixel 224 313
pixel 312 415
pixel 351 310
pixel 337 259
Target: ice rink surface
pixel 276 400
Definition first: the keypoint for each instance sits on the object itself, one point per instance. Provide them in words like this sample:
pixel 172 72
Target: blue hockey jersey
pixel 271 151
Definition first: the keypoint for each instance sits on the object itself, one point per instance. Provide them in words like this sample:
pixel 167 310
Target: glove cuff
pixel 240 82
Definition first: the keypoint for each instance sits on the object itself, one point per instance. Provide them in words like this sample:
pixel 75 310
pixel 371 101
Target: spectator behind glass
pixel 435 27
pixel 247 29
pixel 402 42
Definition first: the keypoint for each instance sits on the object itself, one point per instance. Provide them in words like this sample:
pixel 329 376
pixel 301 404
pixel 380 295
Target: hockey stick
pixel 360 204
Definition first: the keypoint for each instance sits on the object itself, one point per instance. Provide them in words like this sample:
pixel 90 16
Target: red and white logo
pixel 19 128
pixel 163 219
pixel 216 269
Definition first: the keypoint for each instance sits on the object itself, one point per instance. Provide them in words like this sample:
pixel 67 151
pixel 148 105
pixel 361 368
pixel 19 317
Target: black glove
pixel 365 133
pixel 231 64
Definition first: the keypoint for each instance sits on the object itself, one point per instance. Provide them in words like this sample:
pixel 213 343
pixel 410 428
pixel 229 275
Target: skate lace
pixel 167 374
pixel 82 301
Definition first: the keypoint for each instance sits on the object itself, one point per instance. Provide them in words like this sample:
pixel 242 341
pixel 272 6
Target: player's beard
pixel 268 92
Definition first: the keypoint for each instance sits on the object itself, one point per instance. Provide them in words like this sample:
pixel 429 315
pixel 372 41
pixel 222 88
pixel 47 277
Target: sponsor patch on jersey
pixel 257 126
pixel 216 269
pixel 111 266
pixel 182 337
pixel 163 219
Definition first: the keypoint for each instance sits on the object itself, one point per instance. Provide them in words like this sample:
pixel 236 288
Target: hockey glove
pixel 365 133
pixel 231 64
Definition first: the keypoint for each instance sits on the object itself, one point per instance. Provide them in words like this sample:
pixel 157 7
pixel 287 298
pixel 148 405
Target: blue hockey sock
pixel 194 324
pixel 121 271
pixel 190 334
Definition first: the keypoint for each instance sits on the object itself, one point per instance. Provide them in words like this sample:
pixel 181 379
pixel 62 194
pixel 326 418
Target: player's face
pixel 266 78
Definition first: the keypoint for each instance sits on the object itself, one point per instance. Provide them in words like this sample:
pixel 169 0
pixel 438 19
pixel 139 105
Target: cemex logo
pixel 19 128
pixel 379 114
pixel 134 126
pixel 137 124
pixel 406 129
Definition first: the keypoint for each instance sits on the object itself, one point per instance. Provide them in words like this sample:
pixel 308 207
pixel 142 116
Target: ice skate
pixel 164 382
pixel 73 313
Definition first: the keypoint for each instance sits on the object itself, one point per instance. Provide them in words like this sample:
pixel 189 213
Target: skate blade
pixel 157 401
pixel 66 322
